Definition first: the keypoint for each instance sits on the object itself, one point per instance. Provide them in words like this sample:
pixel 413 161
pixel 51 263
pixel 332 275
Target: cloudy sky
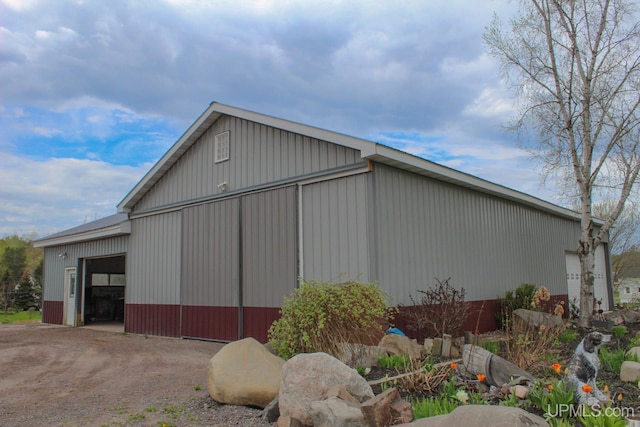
pixel 92 93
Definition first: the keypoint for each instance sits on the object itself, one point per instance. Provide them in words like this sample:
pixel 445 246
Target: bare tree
pixel 574 66
pixel 625 233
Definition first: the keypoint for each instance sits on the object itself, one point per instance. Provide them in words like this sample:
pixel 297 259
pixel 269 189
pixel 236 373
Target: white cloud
pixel 59 193
pixel 491 103
pixel 19 5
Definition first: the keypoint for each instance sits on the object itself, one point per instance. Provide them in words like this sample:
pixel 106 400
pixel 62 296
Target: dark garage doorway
pixel 104 290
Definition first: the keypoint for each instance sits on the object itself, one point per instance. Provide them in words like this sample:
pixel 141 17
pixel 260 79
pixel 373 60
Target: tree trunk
pixel 586 255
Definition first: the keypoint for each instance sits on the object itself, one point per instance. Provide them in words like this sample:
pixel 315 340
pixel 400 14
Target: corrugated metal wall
pixel 54 265
pixel 153 264
pixel 269 224
pixel 210 270
pixel 335 229
pixel 427 229
pixel 270 260
pixel 210 257
pixel 258 154
pixel 264 224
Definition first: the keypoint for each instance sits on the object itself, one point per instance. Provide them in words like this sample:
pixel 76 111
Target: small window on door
pixel 221 143
pixel 72 285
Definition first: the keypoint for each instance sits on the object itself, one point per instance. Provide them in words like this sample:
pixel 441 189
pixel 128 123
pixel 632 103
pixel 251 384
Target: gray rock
pixel 271 412
pixel 307 378
pixel 538 318
pixel 362 355
pixel 244 373
pixel 335 412
pixel 630 371
pixel 482 416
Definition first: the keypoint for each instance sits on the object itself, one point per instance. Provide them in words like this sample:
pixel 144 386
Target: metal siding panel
pixel 257 153
pixel 428 229
pixel 152 319
pixel 210 258
pixel 335 221
pixel 53 312
pixel 153 265
pixel 269 247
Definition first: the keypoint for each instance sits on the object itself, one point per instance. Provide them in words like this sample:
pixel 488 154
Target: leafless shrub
pixel 440 310
pixel 528 345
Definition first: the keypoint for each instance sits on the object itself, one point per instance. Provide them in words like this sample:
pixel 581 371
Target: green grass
pixel 21 316
pixel 400 361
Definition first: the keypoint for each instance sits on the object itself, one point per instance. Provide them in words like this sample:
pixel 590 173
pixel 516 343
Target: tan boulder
pixel 396 344
pixel 244 373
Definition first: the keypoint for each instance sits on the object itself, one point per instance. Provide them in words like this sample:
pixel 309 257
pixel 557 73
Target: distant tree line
pixel 627 264
pixel 20 274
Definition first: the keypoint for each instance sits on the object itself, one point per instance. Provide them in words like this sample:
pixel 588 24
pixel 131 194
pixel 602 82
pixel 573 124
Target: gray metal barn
pixel 213 237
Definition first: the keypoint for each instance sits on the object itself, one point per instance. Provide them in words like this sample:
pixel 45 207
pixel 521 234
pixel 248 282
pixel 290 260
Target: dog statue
pixel 583 369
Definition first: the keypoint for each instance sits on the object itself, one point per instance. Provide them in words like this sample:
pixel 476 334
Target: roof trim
pixel 205 121
pixel 369 150
pixel 121 229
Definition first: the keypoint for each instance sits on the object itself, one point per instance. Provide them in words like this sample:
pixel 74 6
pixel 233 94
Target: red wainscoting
pixel 214 323
pixel 482 316
pixel 152 319
pixel 257 321
pixel 52 312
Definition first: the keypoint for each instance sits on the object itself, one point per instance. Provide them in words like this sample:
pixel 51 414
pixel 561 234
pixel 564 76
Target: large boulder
pixel 308 378
pixel 395 344
pixel 244 373
pixel 482 416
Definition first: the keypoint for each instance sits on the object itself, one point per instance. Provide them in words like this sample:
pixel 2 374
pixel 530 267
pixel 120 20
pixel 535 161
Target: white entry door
pixel 70 296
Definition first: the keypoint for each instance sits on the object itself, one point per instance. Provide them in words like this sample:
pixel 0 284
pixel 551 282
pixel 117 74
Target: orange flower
pixel 587 388
pixel 606 388
pixel 550 387
pixel 556 367
pixel 620 397
pixel 481 377
pixel 454 365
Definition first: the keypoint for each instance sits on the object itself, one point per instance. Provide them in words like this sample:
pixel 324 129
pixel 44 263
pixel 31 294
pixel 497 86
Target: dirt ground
pixel 61 376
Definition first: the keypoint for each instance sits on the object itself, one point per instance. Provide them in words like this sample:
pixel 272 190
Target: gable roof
pixel 369 150
pixel 110 226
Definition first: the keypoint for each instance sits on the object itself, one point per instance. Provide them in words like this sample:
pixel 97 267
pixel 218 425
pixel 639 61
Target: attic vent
pixel 221 141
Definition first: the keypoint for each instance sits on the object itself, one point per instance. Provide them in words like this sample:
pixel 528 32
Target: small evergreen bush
pixel 521 297
pixel 321 316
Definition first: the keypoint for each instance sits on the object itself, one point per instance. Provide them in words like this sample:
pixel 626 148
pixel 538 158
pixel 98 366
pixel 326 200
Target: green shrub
pixel 611 360
pixel 569 335
pixel 521 297
pixel 320 316
pixel 550 397
pixel 437 405
pixel 492 346
pixel 619 331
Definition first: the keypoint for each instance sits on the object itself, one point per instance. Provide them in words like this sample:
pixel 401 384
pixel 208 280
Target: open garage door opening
pixel 104 291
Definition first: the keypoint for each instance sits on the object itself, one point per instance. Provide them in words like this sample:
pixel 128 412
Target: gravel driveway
pixel 61 376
